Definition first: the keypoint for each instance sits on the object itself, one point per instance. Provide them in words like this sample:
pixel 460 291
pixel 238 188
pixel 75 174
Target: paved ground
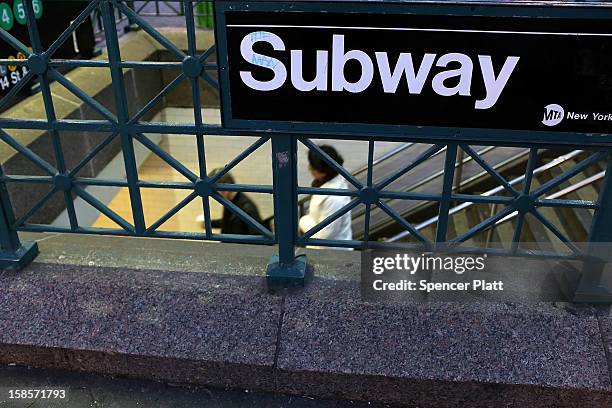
pixel 85 390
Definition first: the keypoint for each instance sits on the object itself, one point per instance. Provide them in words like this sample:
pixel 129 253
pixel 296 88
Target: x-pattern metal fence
pixel 195 67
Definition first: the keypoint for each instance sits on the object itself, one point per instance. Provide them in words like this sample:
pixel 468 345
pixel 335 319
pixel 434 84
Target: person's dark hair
pixel 227 178
pixel 317 163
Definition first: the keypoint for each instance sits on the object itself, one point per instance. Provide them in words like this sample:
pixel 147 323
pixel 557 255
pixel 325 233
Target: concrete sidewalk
pixel 95 391
pixel 189 312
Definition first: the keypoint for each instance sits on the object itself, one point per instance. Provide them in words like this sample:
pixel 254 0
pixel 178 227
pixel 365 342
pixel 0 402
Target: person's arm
pixel 328 206
pixel 308 221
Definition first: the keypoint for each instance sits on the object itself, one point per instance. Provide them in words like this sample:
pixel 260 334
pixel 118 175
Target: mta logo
pixel 553 114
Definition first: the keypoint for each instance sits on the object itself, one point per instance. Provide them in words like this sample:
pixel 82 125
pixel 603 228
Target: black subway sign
pixel 284 69
pixel 416 73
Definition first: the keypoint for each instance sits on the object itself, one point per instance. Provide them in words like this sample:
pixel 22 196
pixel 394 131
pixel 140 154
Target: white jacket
pixel 322 206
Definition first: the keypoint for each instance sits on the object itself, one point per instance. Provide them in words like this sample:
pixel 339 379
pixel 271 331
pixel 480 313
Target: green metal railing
pixel 196 67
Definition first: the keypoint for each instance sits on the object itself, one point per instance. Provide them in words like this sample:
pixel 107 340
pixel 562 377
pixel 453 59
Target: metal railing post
pixel 13 254
pixel 447 191
pixel 285 269
pixel 121 103
pixel 590 288
pixel 458 171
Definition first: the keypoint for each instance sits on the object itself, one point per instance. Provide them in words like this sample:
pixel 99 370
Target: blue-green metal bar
pixel 142 6
pixel 190 197
pixel 97 106
pixel 408 195
pixel 590 287
pixel 89 181
pixel 197 109
pixel 251 222
pixel 209 67
pixel 327 191
pixel 469 198
pixel 330 218
pixel 498 138
pixel 73 63
pixel 544 188
pixel 15 62
pixel 553 228
pixel 368 207
pixel 6 37
pixel 34 208
pixel 165 156
pixel 393 214
pixel 284 163
pixel 157 98
pixel 142 23
pixel 420 159
pixel 208 53
pixel 114 57
pixel 243 155
pixel 100 206
pixel 331 162
pixel 27 179
pixel 29 154
pixel 483 225
pixel 334 243
pixel 243 239
pixel 501 180
pixel 49 109
pixel 74 24
pixel 92 154
pixel 518 228
pixel 245 188
pixel 591 205
pixel 447 191
pixel 13 254
pixel 9 241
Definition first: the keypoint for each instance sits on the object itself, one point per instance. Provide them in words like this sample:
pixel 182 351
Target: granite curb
pixel 226 330
pixel 441 354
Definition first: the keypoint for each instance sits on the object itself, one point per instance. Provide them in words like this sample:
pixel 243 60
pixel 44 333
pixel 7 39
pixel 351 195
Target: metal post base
pixel 19 258
pixel 286 275
pixel 594 294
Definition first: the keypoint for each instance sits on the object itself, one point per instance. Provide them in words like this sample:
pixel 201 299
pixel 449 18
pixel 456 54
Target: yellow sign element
pixel 20 56
pixel 12 67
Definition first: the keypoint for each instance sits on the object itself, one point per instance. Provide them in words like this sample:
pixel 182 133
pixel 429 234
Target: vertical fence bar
pixel 285 269
pixel 127 144
pixel 590 288
pixel 447 190
pixel 459 170
pixel 368 207
pixel 45 90
pixel 13 254
pixel 192 69
pixel 520 219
